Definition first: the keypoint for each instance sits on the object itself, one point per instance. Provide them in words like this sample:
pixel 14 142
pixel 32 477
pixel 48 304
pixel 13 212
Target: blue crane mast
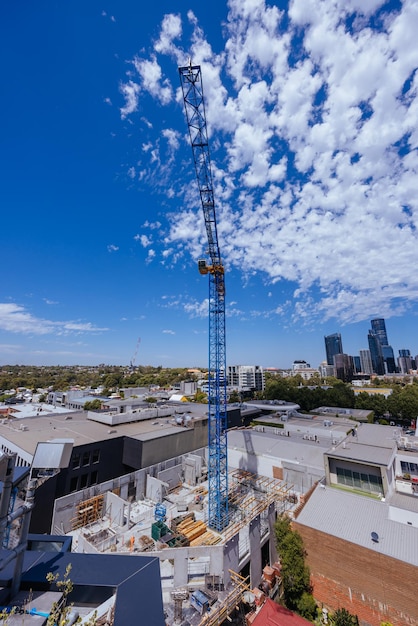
pixel 191 83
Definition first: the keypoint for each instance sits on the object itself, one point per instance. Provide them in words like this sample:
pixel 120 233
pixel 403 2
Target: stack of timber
pixel 195 531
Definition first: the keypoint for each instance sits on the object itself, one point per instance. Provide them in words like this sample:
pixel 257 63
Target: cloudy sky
pixel 312 112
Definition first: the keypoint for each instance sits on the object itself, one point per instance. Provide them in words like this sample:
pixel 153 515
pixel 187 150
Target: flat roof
pixel 75 425
pixel 354 451
pixel 289 449
pixel 354 517
pixel 371 443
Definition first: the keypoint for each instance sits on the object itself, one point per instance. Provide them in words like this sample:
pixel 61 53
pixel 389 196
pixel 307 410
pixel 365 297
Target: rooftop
pixel 353 518
pixel 75 425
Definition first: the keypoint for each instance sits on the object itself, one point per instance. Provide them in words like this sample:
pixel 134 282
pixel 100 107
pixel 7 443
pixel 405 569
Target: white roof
pixel 353 518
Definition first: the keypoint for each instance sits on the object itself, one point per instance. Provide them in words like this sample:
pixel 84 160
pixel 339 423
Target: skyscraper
pixel 405 361
pixel 344 367
pixel 376 354
pixel 388 365
pixel 379 329
pixel 333 346
pixel 366 362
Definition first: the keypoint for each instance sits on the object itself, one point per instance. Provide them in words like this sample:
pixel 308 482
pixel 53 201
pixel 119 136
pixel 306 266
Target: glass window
pixel 73 484
pixel 83 480
pixel 95 457
pixel 93 478
pixel 75 460
pixel 86 458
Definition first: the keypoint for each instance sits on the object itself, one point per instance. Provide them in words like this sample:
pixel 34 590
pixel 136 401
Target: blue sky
pixel 312 113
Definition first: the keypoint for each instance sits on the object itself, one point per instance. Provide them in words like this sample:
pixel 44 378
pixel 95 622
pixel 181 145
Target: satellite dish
pixel 375 537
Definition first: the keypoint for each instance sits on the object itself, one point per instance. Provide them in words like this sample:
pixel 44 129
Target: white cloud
pixel 172 137
pixel 312 124
pixel 130 91
pixel 150 256
pixel 197 309
pixel 152 225
pixel 169 332
pixel 112 248
pixel 171 29
pixel 151 79
pixel 16 319
pixel 144 240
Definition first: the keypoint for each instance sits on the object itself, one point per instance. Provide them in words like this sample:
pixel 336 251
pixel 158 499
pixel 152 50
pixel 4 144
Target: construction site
pixel 163 511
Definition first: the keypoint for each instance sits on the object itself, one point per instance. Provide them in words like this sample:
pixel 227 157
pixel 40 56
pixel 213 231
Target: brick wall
pixel 367 583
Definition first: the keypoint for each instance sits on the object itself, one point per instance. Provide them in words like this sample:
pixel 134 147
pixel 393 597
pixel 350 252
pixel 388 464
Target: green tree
pixel 200 397
pixel 234 396
pixel 342 617
pixel 306 606
pixel 295 574
pixel 93 405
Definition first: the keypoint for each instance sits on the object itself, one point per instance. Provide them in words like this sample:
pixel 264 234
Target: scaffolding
pixel 88 511
pixel 249 495
pixel 230 603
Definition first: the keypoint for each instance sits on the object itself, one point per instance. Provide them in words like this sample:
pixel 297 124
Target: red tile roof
pixel 273 614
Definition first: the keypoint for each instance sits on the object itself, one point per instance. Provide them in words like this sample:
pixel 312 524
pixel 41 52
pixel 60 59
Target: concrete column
pixel 231 558
pixel 124 485
pixel 180 569
pixel 140 480
pixel 255 552
pixel 272 520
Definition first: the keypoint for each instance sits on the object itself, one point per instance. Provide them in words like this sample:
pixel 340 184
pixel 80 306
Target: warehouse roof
pixel 353 518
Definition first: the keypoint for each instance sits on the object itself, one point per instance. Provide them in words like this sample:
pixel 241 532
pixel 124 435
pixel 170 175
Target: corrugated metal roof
pixel 353 518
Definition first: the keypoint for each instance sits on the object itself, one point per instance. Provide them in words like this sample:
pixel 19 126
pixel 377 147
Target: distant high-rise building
pixel 357 364
pixel 383 359
pixel 366 362
pixel 333 346
pixel 376 354
pixel 379 329
pixel 405 361
pixel 246 377
pixel 389 360
pixel 344 367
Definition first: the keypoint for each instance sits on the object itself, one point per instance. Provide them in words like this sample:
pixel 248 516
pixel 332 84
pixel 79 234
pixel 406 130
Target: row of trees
pixel 401 405
pixel 108 376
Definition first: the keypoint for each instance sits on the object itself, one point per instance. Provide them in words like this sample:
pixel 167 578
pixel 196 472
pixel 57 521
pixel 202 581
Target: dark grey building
pixel 333 346
pixel 376 353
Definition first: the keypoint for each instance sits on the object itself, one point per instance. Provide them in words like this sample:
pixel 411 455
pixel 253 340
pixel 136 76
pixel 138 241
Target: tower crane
pixel 133 360
pixel 192 88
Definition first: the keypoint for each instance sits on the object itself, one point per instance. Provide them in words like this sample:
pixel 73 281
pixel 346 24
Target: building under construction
pixel 162 511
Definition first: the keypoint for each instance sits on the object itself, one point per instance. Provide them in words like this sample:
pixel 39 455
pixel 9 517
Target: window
pixel 86 458
pixel 409 468
pixel 93 478
pixel 83 480
pixel 95 457
pixel 361 481
pixel 73 484
pixel 75 460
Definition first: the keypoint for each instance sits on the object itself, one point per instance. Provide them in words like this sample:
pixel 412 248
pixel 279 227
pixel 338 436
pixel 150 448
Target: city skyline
pixel 313 142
